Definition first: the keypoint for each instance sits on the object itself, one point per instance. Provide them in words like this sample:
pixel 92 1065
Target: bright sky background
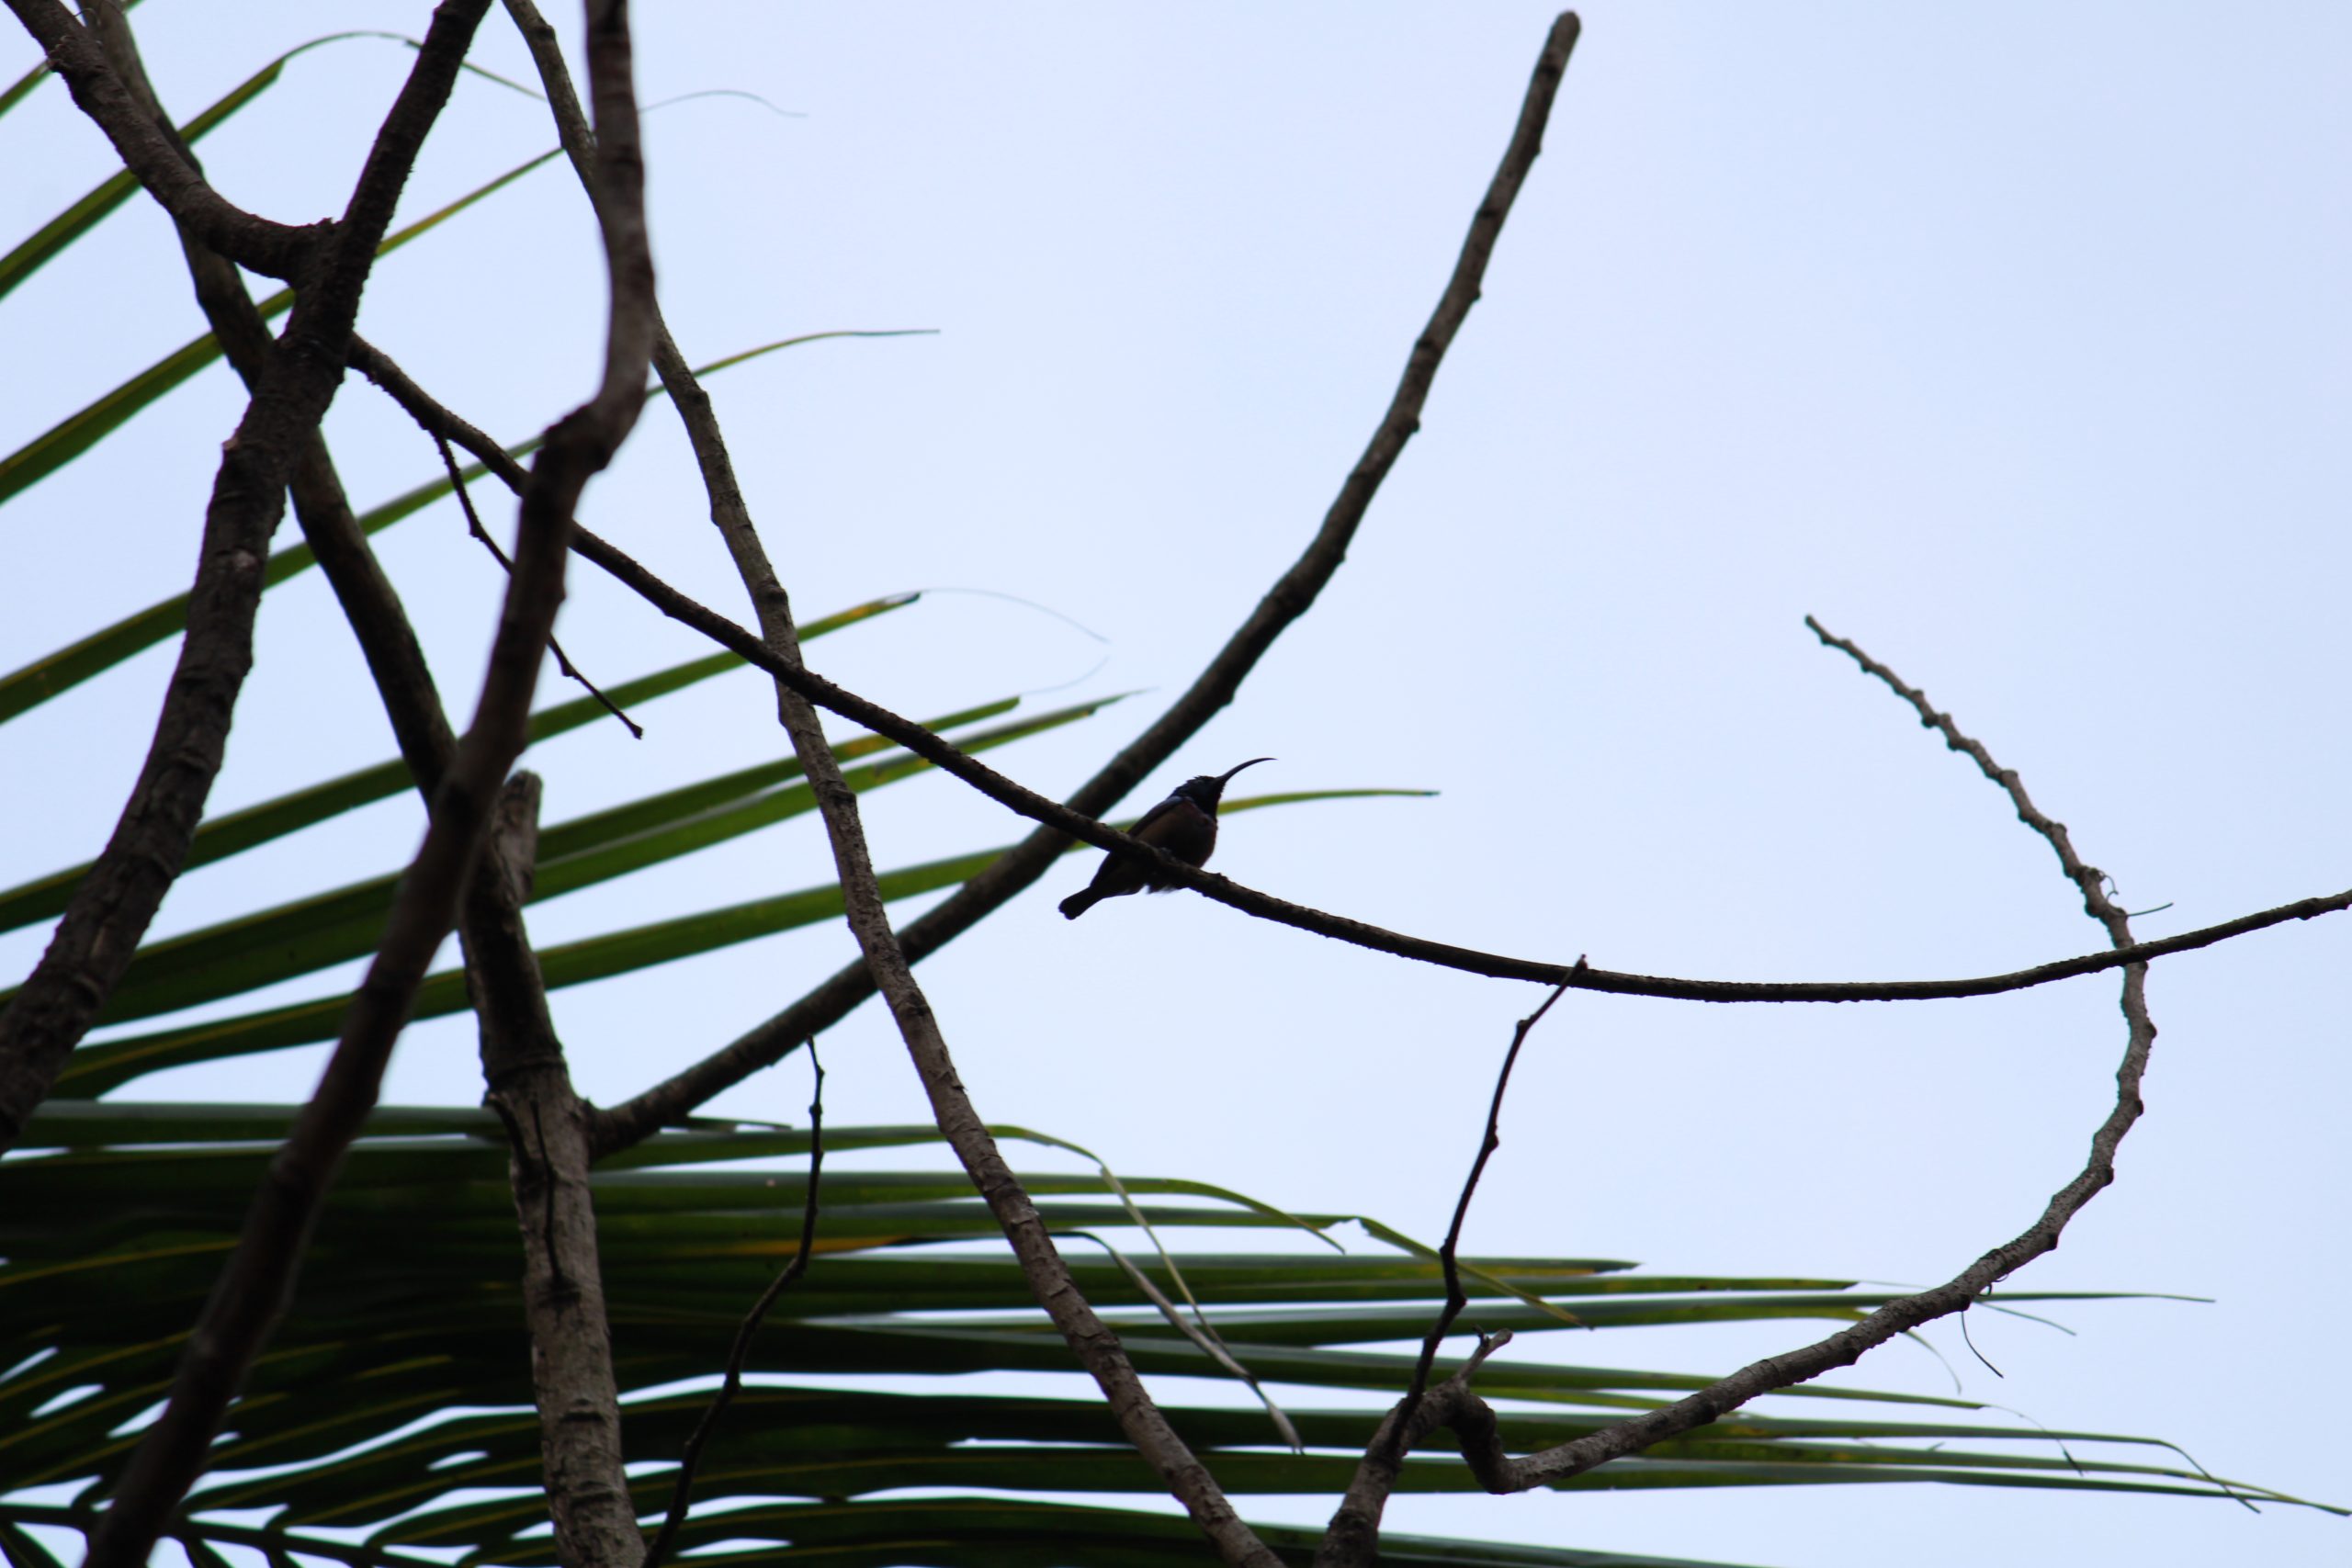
pixel 2012 342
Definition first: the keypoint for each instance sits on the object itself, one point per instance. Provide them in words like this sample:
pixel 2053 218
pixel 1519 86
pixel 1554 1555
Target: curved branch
pixel 1453 1404
pixel 275 250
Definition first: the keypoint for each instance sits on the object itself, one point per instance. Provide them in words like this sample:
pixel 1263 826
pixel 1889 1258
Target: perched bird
pixel 1184 824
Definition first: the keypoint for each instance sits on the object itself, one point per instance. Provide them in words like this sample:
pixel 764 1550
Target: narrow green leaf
pixel 70 225
pixel 1399 1240
pixel 68 667
pixel 32 78
pixel 100 1068
pixel 408 1312
pixel 89 1124
pixel 227 835
pixel 567 850
pixel 60 444
pixel 22 87
pixel 296 939
pixel 22 1550
pixel 608 846
pixel 278 1546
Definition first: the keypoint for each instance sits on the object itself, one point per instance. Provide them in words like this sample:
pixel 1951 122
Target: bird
pixel 1184 824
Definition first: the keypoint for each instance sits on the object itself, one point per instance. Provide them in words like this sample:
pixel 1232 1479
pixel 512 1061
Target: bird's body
pixel 1184 826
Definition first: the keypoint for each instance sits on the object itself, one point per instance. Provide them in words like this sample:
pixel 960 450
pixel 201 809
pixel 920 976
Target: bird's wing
pixel 1158 816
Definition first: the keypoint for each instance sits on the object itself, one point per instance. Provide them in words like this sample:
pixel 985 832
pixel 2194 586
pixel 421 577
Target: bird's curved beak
pixel 1227 777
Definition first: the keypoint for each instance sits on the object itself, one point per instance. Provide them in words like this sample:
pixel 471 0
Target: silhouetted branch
pixel 2088 878
pixel 555 645
pixel 690 1458
pixel 1354 1535
pixel 255 1284
pixel 1291 597
pixel 1455 1300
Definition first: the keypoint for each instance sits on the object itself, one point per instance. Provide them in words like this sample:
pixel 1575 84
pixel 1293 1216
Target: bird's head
pixel 1206 790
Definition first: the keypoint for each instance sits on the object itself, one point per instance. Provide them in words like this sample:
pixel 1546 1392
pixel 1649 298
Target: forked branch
pixel 116 900
pixel 258 1277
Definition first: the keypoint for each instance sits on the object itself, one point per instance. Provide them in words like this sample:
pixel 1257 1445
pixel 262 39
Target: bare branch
pixel 255 1283
pixel 1096 1348
pixel 620 206
pixel 1453 1404
pixel 563 1293
pixel 2088 878
pixel 1455 1300
pixel 690 1458
pixel 1354 1535
pixel 116 899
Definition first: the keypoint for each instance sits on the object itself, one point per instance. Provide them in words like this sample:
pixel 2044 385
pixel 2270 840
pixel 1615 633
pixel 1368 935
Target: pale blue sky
pixel 2012 342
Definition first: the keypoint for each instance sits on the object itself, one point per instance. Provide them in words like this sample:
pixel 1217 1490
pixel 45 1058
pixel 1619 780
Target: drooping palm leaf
pixel 950 1532
pixel 84 429
pixel 297 938
pixel 34 684
pixel 115 1218
pixel 220 836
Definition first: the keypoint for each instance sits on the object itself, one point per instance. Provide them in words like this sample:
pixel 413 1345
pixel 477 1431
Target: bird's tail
pixel 1077 903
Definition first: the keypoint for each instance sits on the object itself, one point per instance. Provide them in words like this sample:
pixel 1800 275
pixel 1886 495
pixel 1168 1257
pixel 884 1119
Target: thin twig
pixel 1354 1535
pixel 690 1458
pixel 1065 820
pixel 473 526
pixel 2090 878
pixel 1455 1298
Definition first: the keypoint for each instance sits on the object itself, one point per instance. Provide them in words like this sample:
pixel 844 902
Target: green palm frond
pixel 397 1393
